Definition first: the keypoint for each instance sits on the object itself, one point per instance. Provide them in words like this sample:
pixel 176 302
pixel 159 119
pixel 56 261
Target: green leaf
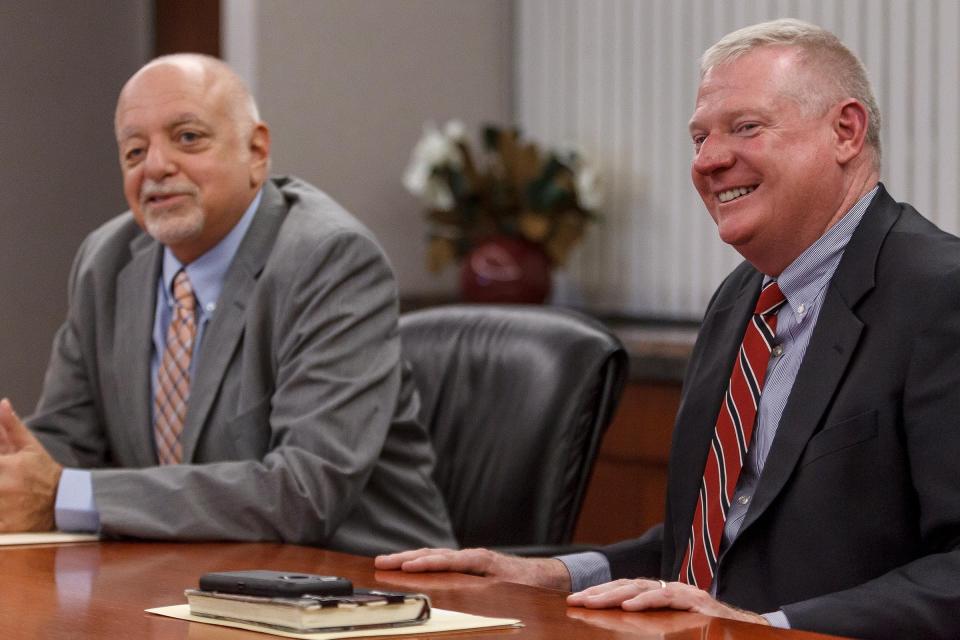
pixel 553 197
pixel 459 185
pixel 491 137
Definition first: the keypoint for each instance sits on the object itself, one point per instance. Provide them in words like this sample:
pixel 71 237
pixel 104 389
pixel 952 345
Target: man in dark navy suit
pixel 817 483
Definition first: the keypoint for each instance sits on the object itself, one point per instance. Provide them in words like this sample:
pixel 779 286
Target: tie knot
pixel 770 299
pixel 183 291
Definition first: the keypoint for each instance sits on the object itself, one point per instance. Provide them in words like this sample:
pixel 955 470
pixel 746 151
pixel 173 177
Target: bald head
pixel 206 73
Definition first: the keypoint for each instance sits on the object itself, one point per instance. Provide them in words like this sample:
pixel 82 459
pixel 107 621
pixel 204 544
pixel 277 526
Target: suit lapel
pixel 133 323
pixel 828 355
pixel 824 364
pixel 704 389
pixel 225 330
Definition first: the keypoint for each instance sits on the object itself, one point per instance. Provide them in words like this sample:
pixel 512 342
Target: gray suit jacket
pixel 854 528
pixel 302 423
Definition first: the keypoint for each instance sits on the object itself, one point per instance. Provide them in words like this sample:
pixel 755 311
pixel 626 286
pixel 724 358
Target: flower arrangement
pixel 513 189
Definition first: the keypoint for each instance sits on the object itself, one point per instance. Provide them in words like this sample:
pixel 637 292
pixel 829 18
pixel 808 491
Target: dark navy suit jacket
pixel 854 528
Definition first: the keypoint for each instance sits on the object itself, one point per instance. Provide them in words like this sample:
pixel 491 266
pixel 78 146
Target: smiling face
pixel 192 158
pixel 767 170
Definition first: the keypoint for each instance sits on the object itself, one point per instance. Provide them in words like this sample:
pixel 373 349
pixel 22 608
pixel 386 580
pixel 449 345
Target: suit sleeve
pixel 636 558
pixel 66 420
pixel 335 362
pixel 922 597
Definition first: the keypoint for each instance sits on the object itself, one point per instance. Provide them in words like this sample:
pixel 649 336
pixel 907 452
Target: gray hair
pixel 840 72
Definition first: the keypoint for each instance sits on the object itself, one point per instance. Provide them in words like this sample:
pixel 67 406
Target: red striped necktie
pixel 731 440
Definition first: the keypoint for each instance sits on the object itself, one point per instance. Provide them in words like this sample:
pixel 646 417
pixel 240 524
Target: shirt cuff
pixel 74 510
pixel 777 619
pixel 586 569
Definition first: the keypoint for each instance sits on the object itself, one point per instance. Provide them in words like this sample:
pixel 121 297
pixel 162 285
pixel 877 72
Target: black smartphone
pixel 276 584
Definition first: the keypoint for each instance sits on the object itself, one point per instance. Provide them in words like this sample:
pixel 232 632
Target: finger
pixel 689 598
pixel 396 560
pixel 465 561
pixel 5 445
pixel 581 598
pixel 656 599
pixel 434 562
pixel 674 596
pixel 611 598
pixel 17 434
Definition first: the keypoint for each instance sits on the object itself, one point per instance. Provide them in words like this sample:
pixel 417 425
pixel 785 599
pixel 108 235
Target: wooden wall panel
pixel 187 25
pixel 628 487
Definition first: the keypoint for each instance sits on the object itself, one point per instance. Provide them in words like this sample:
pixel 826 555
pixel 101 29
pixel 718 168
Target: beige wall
pixel 347 84
pixel 61 66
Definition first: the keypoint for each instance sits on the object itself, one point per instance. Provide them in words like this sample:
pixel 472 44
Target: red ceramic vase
pixel 505 269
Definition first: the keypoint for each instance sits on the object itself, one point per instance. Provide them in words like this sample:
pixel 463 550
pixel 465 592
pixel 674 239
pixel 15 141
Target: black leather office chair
pixel 517 399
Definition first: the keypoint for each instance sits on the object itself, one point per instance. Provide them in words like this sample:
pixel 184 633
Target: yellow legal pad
pixel 440 620
pixel 45 537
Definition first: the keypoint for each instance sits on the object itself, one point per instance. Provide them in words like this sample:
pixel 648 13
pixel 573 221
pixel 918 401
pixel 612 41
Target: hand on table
pixel 28 477
pixel 539 572
pixel 642 594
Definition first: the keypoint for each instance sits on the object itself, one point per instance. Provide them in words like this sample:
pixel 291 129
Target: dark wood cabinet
pixel 628 487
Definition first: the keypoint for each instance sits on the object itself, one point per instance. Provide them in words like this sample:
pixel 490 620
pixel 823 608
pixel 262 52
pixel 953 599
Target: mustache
pixel 153 190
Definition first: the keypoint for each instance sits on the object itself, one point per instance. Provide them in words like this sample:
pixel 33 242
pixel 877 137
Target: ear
pixel 259 154
pixel 850 129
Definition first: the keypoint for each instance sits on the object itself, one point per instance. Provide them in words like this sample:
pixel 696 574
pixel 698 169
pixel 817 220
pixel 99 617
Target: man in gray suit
pixel 230 365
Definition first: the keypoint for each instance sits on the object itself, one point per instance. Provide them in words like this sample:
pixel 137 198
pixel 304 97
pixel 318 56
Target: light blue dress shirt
pixel 804 283
pixel 75 509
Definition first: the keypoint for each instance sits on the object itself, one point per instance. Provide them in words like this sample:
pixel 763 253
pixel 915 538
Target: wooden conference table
pixel 100 590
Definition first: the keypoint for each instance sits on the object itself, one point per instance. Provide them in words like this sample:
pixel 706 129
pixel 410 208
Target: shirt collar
pixel 208 272
pixel 804 278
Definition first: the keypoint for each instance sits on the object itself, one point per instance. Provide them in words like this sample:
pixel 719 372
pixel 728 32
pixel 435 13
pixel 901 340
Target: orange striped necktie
pixel 173 376
pixel 731 440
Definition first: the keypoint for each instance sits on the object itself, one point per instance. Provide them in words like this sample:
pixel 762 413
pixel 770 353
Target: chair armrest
pixel 545 550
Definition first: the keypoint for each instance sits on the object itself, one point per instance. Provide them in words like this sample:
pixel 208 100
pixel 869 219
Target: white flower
pixel 433 152
pixel 586 180
pixel 589 187
pixel 455 130
pixel 437 194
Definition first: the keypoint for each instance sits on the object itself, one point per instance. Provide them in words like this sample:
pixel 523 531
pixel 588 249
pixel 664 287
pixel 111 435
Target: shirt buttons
pixel 777 351
pixel 744 500
pixel 211 307
pixel 802 309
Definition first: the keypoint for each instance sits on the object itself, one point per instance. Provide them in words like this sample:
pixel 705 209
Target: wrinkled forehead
pixel 185 75
pixel 757 79
pixel 165 86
